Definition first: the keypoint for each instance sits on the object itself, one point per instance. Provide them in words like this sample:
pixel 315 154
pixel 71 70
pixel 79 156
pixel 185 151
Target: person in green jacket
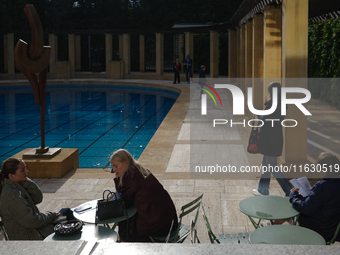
pixel 19 196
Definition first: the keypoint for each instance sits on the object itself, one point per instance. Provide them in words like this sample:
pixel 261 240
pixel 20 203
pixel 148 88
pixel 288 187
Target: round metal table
pixel 286 234
pixel 267 207
pixel 89 213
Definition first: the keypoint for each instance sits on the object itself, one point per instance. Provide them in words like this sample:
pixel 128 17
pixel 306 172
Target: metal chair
pixel 335 235
pixel 239 238
pixel 184 230
pixel 179 234
pixel 2 230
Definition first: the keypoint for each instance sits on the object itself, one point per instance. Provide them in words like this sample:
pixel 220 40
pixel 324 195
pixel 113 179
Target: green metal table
pixel 286 234
pixel 89 232
pixel 268 208
pixel 89 214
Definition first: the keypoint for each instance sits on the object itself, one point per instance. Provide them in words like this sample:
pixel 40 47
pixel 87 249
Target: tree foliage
pixel 324 60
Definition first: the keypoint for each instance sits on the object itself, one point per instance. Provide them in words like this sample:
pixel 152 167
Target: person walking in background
pixel 201 79
pixel 177 70
pixel 201 73
pixel 188 67
pixel 271 144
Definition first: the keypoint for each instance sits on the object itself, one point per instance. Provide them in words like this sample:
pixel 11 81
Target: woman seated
pixel 18 198
pixel 156 213
pixel 320 211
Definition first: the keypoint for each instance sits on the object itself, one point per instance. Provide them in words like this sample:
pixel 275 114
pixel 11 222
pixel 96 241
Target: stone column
pixel 159 54
pixel 108 53
pixel 272 46
pixel 294 74
pixel 52 39
pixel 248 61
pixel 238 30
pixel 232 54
pixel 242 55
pixel 181 47
pixel 10 54
pixel 5 60
pixel 72 54
pixel 120 46
pixel 78 53
pixel 257 59
pixel 126 54
pixel 141 53
pixel 108 47
pixel 189 47
pixel 214 54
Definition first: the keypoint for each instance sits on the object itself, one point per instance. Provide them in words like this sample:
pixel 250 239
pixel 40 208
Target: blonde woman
pixel 156 213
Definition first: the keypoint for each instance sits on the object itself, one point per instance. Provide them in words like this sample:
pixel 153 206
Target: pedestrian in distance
pixel 188 68
pixel 177 70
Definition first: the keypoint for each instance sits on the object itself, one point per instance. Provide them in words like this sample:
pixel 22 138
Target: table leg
pixel 256 225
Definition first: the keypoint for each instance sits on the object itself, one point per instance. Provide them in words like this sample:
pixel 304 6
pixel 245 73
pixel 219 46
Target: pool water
pixel 96 119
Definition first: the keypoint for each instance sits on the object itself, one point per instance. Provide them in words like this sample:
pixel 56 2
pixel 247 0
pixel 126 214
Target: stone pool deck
pixel 167 156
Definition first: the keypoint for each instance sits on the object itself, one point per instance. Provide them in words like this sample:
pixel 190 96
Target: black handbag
pixel 254 139
pixel 109 209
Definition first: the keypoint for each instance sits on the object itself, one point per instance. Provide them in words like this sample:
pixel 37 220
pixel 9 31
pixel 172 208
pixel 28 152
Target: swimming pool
pixel 97 119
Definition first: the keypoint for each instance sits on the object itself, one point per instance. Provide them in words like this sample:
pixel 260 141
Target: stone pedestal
pixel 55 167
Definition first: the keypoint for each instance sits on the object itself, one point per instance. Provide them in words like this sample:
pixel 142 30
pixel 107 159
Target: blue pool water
pixel 96 119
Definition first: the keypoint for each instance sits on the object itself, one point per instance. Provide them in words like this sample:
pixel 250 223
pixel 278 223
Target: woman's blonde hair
pixel 122 155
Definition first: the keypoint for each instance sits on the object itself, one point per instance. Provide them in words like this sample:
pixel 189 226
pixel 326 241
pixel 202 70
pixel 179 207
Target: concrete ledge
pixel 55 167
pixel 79 247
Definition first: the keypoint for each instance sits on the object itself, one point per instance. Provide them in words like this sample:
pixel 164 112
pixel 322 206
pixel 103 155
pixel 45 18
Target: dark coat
pixel 179 67
pixel 188 63
pixel 271 139
pixel 154 205
pixel 21 217
pixel 320 211
pixel 201 73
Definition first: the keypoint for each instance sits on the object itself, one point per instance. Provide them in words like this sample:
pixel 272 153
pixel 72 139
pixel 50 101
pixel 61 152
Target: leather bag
pixel 107 209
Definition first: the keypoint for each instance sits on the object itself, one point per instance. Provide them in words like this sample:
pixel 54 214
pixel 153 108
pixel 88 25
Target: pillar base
pixel 56 167
pixel 41 153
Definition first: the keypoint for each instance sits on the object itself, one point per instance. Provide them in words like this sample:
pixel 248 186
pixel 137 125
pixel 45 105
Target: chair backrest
pixel 211 235
pixel 184 230
pixel 188 208
pixel 335 235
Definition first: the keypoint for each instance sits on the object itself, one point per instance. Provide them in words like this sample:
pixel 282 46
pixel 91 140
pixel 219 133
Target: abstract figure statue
pixel 36 60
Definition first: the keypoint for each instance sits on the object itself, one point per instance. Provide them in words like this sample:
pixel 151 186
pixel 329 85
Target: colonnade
pixel 114 69
pixel 273 46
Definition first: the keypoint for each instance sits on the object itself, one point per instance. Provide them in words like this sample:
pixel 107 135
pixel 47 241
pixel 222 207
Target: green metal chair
pixel 179 234
pixel 2 230
pixel 240 238
pixel 335 235
pixel 184 230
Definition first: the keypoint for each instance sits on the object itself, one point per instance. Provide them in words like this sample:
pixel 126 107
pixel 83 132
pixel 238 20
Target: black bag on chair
pixel 254 140
pixel 110 209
